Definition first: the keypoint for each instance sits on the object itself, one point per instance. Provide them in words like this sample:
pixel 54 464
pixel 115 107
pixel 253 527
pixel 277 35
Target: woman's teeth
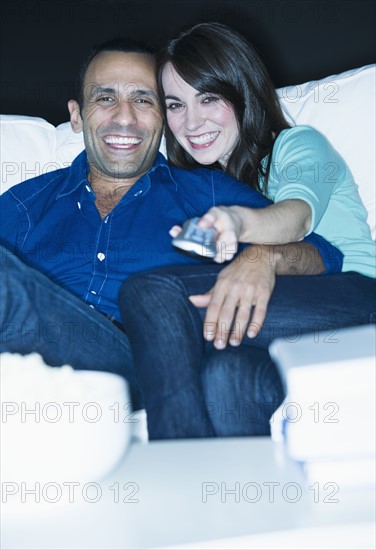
pixel 204 138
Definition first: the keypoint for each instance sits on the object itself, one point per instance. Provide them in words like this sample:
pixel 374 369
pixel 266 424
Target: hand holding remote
pixel 226 222
pixel 195 240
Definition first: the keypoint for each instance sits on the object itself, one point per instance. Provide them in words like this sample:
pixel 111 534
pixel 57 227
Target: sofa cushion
pixel 27 148
pixel 30 146
pixel 68 144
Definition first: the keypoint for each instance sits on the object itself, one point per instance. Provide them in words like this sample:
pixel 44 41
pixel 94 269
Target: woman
pixel 222 112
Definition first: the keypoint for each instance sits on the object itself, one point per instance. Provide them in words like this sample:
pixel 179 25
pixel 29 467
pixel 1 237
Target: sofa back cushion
pixel 31 146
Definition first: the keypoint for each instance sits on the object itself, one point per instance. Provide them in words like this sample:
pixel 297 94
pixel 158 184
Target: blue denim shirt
pixel 52 223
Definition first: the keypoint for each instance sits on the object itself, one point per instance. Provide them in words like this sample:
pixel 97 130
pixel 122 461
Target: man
pixel 72 236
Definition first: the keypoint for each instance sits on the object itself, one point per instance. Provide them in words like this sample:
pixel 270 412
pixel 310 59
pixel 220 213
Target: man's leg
pixel 37 315
pixel 242 389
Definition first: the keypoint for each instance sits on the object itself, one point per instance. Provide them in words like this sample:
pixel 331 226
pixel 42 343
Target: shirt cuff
pixel 331 256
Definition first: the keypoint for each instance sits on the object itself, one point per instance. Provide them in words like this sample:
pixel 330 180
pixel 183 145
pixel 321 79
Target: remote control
pixel 196 240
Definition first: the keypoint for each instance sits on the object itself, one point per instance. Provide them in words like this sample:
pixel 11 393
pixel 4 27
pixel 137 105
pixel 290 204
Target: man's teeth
pixel 204 138
pixel 122 140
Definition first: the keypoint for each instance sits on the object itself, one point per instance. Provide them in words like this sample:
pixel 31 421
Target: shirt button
pixel 93 291
pixel 101 256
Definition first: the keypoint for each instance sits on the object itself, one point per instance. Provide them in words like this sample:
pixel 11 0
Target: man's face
pixel 122 120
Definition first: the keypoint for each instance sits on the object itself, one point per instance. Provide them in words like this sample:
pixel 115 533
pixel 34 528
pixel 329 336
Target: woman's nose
pixel 193 119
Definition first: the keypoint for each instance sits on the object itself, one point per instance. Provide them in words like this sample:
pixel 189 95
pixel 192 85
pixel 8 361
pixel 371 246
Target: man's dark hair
pixel 119 44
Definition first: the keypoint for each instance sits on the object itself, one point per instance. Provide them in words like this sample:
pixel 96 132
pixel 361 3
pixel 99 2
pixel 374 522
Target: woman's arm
pixel 281 223
pixel 284 222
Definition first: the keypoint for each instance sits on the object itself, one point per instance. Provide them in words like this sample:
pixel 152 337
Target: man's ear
pixel 75 116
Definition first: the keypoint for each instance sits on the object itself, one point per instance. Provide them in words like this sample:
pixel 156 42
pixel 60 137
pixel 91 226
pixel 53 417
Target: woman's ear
pixel 75 116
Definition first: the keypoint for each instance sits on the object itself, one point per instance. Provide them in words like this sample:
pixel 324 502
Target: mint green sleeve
pixel 305 166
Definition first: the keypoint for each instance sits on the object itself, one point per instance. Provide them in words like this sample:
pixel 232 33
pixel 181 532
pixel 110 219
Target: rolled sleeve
pixel 331 256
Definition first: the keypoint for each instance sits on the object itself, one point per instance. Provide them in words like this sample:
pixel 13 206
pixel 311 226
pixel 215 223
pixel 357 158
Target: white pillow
pixel 27 148
pixel 30 146
pixel 68 144
pixel 342 107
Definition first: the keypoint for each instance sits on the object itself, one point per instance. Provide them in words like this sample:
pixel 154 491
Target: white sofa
pixel 340 106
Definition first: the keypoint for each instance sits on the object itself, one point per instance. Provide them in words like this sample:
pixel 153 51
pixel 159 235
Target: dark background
pixel 43 42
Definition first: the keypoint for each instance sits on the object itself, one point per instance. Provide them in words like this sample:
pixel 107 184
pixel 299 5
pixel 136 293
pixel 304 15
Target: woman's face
pixel 204 125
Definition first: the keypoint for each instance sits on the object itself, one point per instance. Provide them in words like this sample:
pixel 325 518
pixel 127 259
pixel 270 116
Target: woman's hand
pixel 228 223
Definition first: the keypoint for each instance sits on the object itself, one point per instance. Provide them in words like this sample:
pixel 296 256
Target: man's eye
pixel 143 101
pixel 174 106
pixel 105 99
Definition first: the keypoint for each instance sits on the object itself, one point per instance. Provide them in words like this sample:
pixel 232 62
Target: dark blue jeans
pixel 181 375
pixel 36 315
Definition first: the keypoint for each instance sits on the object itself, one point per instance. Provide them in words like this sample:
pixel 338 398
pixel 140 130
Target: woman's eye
pixel 211 99
pixel 174 106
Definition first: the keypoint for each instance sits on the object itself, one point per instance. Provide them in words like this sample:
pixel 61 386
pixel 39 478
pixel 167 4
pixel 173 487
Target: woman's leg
pixel 242 390
pixel 165 332
pixel 321 304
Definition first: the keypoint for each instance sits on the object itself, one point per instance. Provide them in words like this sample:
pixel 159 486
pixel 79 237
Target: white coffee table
pixel 222 493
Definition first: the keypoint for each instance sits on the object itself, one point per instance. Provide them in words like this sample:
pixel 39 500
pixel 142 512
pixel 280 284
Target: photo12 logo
pixel 68 492
pixel 253 492
pixel 68 411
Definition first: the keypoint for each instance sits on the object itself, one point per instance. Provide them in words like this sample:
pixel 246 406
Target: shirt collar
pixel 77 176
pixel 79 170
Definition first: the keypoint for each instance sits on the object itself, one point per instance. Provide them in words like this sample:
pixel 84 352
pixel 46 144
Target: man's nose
pixel 124 113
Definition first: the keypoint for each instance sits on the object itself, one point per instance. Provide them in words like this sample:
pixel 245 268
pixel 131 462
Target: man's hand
pixel 239 297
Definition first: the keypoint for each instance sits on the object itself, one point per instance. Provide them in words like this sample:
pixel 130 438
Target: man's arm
pixel 243 288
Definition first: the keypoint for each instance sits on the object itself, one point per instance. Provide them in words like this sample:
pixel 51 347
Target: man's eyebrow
pixel 131 88
pixel 96 90
pixel 149 93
